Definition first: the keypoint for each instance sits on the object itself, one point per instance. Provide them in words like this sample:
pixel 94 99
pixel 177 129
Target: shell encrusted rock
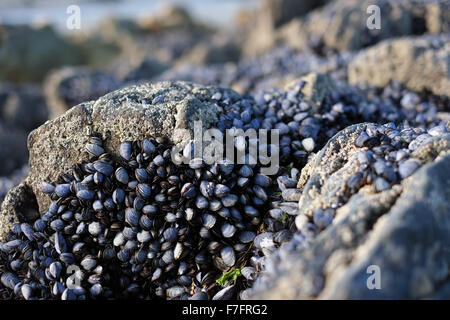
pixel 125 114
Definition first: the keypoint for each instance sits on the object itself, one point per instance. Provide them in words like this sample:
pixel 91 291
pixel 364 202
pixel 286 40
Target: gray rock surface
pixel 323 178
pixel 420 63
pixel 126 114
pixel 341 24
pixel 410 244
pixel 403 230
pixel 269 17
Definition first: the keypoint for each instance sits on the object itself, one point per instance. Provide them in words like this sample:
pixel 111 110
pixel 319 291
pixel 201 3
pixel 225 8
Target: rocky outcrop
pixel 400 231
pixel 420 63
pixel 149 110
pixel 341 25
pixel 317 87
pixel 271 15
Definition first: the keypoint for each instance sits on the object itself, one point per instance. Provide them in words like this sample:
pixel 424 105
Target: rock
pixel 100 51
pixel 317 87
pixel 277 68
pixel 126 114
pixel 438 17
pixel 22 106
pixel 327 172
pixel 13 151
pixel 269 16
pixel 417 222
pixel 260 38
pixel 147 68
pixel 169 46
pixel 165 39
pixel 218 50
pixel 171 17
pixel 27 53
pixel 342 24
pixel 5 89
pixel 69 86
pixel 117 25
pixel 109 41
pixel 420 63
pixel 279 12
pixel 380 229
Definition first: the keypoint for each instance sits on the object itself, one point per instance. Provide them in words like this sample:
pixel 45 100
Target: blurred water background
pixel 217 13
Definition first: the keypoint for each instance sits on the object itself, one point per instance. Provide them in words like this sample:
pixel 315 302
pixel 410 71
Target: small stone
pixel 308 144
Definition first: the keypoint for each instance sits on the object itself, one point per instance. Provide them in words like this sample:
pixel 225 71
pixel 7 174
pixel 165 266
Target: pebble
pixel 308 144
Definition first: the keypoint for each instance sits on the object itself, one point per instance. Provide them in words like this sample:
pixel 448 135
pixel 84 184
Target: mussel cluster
pixel 387 157
pixel 137 226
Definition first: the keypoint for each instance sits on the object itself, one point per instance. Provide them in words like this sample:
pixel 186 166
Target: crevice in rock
pixel 28 209
pixel 419 25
